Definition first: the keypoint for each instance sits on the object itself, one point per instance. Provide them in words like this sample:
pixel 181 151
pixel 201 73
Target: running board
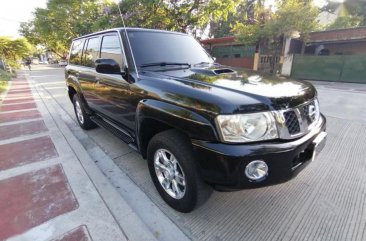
pixel 118 132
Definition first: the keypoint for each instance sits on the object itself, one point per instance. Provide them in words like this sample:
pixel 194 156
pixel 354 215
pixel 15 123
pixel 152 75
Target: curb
pixel 129 222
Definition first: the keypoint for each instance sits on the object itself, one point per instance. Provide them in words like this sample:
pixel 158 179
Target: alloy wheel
pixel 169 173
pixel 79 112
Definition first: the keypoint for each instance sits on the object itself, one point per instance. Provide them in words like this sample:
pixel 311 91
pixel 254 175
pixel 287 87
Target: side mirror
pixel 107 66
pixel 214 59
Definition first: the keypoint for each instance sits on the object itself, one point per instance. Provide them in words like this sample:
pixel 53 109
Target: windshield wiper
pixel 162 64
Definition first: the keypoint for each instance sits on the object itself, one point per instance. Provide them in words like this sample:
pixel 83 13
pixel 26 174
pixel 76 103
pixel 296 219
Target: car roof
pixel 129 30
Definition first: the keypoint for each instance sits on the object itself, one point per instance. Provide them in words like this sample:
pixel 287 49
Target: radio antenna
pixel 128 40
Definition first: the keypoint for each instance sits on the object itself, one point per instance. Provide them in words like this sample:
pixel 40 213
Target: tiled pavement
pixel 45 192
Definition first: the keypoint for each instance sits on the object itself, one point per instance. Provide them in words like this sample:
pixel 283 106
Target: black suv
pixel 199 124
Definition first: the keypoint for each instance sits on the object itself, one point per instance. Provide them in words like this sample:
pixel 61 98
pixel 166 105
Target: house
pixel 333 55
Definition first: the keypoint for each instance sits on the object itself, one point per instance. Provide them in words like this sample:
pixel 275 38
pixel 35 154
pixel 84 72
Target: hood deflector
pixel 213 72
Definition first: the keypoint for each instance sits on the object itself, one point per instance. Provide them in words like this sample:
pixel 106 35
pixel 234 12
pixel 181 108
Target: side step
pixel 118 132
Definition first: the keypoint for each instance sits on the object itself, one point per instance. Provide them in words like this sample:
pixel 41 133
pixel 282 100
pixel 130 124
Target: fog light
pixel 256 170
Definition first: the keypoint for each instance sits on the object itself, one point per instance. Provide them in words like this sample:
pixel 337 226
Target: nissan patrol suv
pixel 199 125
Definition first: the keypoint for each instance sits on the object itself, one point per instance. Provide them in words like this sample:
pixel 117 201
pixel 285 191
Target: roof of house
pixel 221 40
pixel 337 35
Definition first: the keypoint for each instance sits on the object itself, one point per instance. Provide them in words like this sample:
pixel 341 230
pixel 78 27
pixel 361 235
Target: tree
pixel 62 20
pixel 348 21
pixel 11 51
pixel 221 28
pixel 267 28
pixel 253 19
pixel 243 14
pixel 186 16
pixel 290 16
pixel 351 13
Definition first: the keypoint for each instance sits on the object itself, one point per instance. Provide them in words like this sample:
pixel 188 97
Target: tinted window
pixel 111 49
pixel 153 47
pixel 91 52
pixel 75 53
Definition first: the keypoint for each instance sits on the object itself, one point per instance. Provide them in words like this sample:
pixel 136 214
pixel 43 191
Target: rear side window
pixel 111 49
pixel 75 53
pixel 91 52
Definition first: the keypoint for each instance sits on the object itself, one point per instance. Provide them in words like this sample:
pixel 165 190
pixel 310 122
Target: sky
pixel 12 12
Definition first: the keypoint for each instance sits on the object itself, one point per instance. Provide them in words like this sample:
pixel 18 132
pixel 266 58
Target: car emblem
pixel 312 112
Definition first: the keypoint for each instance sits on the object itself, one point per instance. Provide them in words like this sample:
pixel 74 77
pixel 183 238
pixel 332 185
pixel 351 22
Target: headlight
pixel 247 127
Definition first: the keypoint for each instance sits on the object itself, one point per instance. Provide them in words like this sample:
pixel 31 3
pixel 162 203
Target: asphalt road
pixel 327 201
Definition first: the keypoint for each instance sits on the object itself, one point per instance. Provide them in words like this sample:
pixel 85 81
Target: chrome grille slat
pixel 292 122
pixel 297 121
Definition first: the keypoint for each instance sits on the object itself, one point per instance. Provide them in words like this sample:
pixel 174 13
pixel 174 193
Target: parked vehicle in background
pixel 53 61
pixel 199 124
pixel 34 61
pixel 62 63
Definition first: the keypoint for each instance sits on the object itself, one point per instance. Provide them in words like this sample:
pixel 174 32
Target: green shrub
pixel 5 76
pixel 3 85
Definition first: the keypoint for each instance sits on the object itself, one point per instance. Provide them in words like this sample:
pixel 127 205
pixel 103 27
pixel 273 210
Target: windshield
pixel 156 47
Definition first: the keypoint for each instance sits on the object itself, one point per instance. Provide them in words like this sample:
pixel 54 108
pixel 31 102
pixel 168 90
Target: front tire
pixel 173 170
pixel 82 117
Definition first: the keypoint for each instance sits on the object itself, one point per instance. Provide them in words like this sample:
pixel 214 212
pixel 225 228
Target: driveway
pixel 325 202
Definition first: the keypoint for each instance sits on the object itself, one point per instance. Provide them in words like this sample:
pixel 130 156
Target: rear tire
pixel 82 117
pixel 175 175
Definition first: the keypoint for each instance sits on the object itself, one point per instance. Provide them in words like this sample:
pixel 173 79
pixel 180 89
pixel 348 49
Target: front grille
pixel 299 120
pixel 292 123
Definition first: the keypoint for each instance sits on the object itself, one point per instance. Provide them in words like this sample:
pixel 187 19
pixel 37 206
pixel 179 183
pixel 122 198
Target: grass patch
pixel 3 85
pixel 4 79
pixel 6 76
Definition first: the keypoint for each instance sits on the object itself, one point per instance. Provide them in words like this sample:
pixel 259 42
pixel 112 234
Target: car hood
pixel 219 85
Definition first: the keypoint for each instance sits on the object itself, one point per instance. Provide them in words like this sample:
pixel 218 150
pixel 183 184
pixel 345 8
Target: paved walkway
pixel 49 187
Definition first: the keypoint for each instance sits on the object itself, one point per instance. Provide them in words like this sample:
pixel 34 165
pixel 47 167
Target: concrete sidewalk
pixel 50 189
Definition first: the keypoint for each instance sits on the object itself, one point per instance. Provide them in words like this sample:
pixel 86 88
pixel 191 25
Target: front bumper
pixel 222 165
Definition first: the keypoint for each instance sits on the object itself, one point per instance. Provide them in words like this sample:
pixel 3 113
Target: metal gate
pixel 343 68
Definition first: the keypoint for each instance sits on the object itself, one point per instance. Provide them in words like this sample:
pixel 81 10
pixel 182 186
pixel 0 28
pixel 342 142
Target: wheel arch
pixel 73 88
pixel 153 116
pixel 71 92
